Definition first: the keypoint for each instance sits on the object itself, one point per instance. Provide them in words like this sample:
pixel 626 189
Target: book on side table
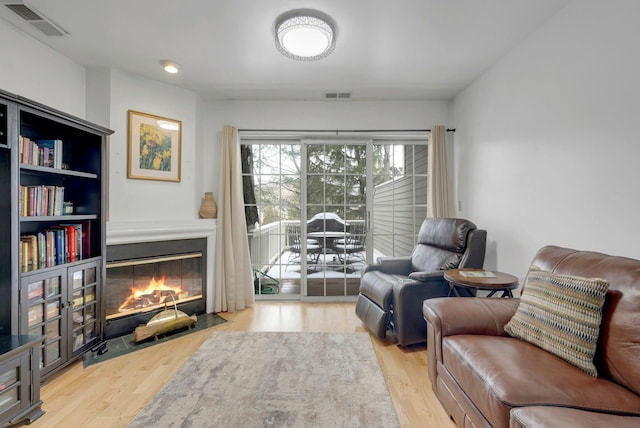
pixel 477 273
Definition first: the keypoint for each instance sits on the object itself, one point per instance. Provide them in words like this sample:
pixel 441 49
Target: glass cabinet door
pixel 42 295
pixel 9 386
pixel 19 379
pixel 84 289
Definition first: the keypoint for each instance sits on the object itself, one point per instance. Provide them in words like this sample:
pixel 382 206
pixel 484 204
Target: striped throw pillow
pixel 561 314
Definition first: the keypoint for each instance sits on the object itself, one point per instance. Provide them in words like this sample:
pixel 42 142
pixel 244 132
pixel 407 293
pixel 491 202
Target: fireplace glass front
pixel 138 288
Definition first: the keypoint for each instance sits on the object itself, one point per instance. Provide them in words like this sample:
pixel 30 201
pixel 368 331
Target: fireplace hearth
pixel 145 278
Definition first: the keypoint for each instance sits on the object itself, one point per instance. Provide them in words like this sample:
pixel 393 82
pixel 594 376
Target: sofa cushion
pixel 561 314
pixel 545 416
pixel 619 343
pixel 498 373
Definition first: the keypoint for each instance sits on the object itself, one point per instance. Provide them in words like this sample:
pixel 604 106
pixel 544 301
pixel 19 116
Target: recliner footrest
pixel 372 316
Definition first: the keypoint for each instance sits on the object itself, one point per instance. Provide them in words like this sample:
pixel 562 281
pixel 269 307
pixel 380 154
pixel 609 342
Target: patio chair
pixel 352 245
pixel 294 237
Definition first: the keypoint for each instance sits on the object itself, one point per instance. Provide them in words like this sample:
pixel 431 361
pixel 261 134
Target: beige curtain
pixel 233 288
pixel 439 202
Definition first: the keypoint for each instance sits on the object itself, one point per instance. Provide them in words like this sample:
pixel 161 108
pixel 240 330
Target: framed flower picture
pixel 154 147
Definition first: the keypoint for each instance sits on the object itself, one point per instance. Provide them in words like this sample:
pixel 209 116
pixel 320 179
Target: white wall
pixel 317 115
pixel 32 70
pixel 547 140
pixel 147 200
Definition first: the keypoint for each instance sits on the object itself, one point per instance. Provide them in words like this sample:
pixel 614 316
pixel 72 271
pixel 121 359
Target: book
pixel 24 253
pixel 42 249
pixel 46 152
pixel 31 201
pixel 477 274
pixel 70 241
pixel 58 200
pixel 51 253
pixel 75 247
pixel 50 151
pixel 33 250
pixel 20 201
pixel 60 251
pixel 29 252
pixel 42 200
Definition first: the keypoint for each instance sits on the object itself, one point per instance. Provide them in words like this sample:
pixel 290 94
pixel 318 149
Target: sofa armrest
pixel 478 315
pixel 449 316
pixel 395 265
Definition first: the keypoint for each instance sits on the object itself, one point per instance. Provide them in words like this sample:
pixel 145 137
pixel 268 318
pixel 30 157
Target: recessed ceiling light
pixel 170 66
pixel 305 34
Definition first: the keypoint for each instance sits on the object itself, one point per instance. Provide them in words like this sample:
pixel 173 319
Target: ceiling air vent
pixel 42 23
pixel 337 95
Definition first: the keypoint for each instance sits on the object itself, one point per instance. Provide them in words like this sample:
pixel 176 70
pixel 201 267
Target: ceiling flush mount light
pixel 305 34
pixel 170 67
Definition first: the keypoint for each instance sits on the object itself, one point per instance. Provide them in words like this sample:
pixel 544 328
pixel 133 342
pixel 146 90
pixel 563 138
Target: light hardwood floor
pixel 109 394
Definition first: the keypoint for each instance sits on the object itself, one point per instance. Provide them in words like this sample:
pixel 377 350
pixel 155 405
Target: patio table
pixel 327 238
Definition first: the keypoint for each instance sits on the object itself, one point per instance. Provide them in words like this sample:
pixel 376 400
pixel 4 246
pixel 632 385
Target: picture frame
pixel 154 147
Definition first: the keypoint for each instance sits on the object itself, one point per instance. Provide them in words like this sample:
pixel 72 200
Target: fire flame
pixel 156 293
pixel 154 285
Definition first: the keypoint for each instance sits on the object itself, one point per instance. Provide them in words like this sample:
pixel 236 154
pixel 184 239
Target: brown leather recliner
pixel 393 289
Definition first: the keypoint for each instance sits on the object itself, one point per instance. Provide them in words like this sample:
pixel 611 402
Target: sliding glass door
pixel 399 195
pixel 319 210
pixel 335 201
pixel 272 181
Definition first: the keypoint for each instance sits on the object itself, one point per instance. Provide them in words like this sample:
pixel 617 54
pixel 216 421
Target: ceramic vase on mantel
pixel 208 208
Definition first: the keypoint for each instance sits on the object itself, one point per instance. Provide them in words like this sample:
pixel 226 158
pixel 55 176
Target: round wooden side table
pixel 479 279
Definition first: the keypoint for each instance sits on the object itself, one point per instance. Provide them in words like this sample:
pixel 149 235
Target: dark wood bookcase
pixel 52 233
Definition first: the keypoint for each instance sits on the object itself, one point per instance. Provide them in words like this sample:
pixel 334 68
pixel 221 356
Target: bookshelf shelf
pixel 67 264
pixel 57 218
pixel 24 168
pixel 51 163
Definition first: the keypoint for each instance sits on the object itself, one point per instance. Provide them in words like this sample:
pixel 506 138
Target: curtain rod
pixel 339 130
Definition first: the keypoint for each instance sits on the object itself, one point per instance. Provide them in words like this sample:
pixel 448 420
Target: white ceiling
pixel 402 49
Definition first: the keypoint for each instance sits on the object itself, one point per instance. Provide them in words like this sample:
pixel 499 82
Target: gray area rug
pixel 273 379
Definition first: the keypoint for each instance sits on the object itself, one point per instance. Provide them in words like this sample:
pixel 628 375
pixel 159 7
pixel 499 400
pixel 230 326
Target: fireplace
pixel 144 278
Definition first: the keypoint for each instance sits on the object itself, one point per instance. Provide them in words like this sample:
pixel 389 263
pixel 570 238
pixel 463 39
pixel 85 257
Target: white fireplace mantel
pixel 138 231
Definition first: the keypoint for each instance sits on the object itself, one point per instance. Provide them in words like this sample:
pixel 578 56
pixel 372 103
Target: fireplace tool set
pixel 164 322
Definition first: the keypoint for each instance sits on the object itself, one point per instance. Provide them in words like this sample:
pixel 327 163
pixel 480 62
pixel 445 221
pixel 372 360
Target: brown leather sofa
pixel 393 289
pixel 485 378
